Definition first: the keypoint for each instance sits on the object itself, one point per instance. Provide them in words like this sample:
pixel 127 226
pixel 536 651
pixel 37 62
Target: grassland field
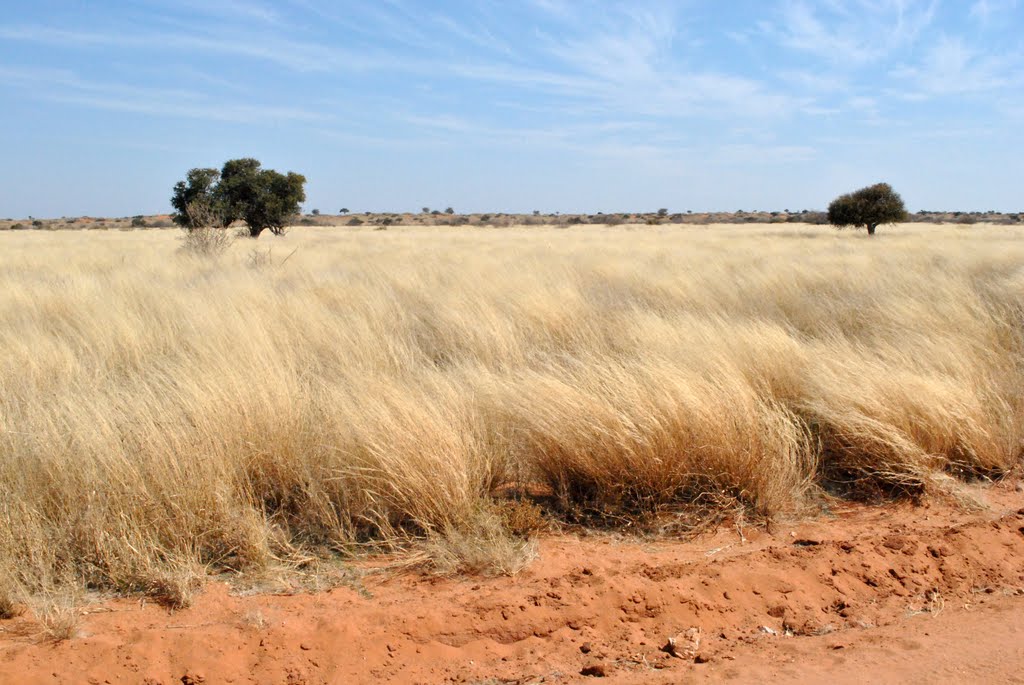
pixel 450 390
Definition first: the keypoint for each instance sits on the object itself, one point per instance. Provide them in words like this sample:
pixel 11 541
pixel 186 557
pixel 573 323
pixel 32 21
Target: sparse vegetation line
pixel 162 416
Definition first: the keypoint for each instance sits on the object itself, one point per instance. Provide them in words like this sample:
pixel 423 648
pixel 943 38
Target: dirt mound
pixel 897 592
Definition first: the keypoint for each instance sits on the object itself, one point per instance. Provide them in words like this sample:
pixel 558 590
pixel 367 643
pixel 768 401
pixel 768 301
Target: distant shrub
pixel 17 227
pixel 355 221
pixel 204 236
pixel 316 212
pixel 37 223
pixel 306 221
pixel 138 222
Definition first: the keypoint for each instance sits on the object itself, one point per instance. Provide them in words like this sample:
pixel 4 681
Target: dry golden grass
pixel 58 615
pixel 161 415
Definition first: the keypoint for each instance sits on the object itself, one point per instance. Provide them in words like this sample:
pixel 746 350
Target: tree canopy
pixel 241 190
pixel 868 207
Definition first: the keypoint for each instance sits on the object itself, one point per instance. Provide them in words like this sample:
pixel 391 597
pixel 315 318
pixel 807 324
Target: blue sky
pixel 484 105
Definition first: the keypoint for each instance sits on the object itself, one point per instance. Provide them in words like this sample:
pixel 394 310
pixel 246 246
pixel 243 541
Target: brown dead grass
pixel 162 416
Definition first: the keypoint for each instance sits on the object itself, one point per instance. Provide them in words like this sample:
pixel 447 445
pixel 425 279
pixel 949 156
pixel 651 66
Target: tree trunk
pixel 871 229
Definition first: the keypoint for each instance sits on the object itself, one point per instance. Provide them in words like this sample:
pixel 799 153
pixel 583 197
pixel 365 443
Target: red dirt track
pixel 872 594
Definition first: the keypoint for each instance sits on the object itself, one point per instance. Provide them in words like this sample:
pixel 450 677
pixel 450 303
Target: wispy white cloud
pixel 64 86
pixel 561 9
pixel 305 57
pixel 636 68
pixel 631 56
pixel 952 67
pixel 851 33
pixel 754 154
pixel 235 10
pixel 984 11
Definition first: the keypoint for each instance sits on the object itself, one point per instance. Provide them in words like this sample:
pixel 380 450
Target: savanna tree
pixel 241 190
pixel 868 207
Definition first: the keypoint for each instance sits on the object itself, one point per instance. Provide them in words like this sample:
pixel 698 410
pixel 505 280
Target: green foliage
pixel 241 190
pixel 138 222
pixel 450 210
pixel 198 188
pixel 868 207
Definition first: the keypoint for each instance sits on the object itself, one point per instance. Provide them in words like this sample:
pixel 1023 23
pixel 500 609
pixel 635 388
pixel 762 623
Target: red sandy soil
pixel 894 594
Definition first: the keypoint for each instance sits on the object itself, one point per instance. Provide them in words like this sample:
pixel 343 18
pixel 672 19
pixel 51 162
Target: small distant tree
pixel 343 210
pixel 662 213
pixel 199 188
pixel 426 210
pixel 241 190
pixel 868 207
pixel 450 210
pixel 262 198
pixel 316 212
